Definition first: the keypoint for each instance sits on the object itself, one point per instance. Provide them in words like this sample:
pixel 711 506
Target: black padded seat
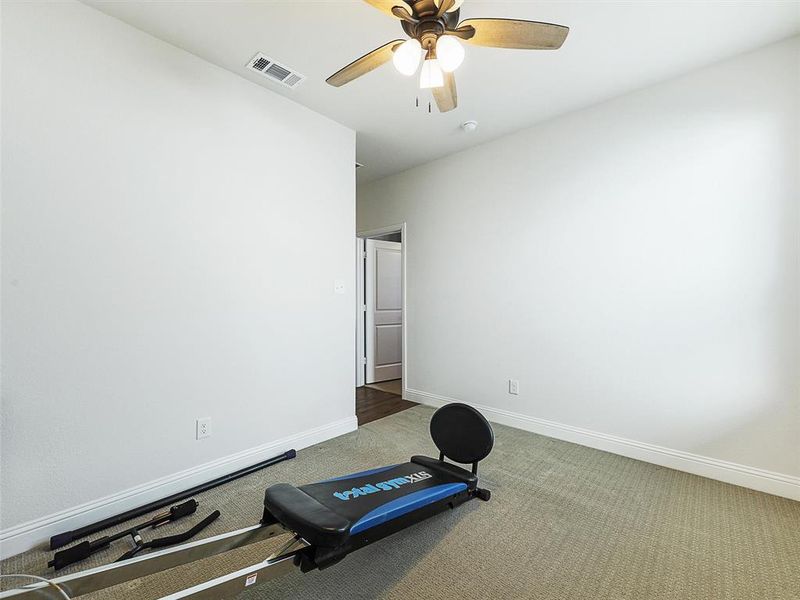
pixel 330 512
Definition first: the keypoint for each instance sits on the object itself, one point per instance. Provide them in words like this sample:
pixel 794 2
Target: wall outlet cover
pixel 203 428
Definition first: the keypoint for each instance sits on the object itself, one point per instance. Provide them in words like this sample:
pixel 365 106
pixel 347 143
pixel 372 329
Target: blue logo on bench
pixel 383 486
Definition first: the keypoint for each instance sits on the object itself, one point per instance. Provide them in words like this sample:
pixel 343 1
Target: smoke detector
pixel 469 126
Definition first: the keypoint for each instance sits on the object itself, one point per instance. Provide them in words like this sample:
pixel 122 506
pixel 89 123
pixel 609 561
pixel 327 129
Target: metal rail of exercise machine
pixel 326 520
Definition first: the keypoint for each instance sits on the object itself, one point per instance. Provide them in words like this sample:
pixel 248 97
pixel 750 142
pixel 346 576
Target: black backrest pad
pixel 377 488
pixel 461 433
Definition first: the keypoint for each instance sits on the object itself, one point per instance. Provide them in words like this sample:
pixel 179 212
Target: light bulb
pixel 450 53
pixel 456 5
pixel 406 57
pixel 431 76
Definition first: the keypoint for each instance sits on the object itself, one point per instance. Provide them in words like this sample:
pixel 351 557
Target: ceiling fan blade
pixel 386 6
pixel 513 33
pixel 364 65
pixel 446 96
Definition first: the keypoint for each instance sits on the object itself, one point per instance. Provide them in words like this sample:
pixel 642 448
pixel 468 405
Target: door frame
pixel 360 345
pixel 361 353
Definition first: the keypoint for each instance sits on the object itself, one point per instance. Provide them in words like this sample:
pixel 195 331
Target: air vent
pixel 274 71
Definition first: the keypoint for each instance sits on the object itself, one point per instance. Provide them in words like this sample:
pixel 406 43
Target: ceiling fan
pixel 435 31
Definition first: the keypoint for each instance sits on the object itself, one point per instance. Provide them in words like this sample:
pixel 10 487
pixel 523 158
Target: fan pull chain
pixel 430 106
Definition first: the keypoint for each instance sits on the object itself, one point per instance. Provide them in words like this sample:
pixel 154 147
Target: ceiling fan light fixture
pixel 432 75
pixel 450 53
pixel 406 57
pixel 436 22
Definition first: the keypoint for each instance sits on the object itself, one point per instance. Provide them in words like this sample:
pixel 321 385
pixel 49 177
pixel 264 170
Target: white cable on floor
pixel 47 581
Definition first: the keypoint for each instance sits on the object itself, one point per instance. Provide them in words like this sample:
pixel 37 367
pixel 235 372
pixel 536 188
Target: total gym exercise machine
pixel 326 520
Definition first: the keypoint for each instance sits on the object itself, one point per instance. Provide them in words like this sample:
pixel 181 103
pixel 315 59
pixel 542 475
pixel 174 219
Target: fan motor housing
pixel 429 27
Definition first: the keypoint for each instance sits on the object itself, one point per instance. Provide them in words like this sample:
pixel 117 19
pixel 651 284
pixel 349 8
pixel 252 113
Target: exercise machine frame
pixel 295 553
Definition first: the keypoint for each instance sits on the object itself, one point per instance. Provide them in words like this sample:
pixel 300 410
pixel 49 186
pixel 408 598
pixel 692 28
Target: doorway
pixel 380 318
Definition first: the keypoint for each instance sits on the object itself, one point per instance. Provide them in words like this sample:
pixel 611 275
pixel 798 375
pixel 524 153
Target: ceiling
pixel 612 48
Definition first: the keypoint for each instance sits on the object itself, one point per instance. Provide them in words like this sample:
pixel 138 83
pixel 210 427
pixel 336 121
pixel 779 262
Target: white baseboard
pixel 770 482
pixel 33 533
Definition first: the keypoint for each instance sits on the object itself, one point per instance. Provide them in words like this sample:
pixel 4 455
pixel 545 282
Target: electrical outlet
pixel 203 428
pixel 513 387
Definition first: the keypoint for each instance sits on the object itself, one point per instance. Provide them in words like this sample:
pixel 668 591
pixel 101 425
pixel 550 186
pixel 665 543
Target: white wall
pixel 634 265
pixel 171 236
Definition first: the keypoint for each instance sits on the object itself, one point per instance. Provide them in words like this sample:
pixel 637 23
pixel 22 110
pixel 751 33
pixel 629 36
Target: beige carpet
pixel 394 386
pixel 565 522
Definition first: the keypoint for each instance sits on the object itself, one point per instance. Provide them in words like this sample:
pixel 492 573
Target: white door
pixel 384 311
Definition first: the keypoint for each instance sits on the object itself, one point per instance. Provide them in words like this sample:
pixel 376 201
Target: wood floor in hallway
pixel 372 404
